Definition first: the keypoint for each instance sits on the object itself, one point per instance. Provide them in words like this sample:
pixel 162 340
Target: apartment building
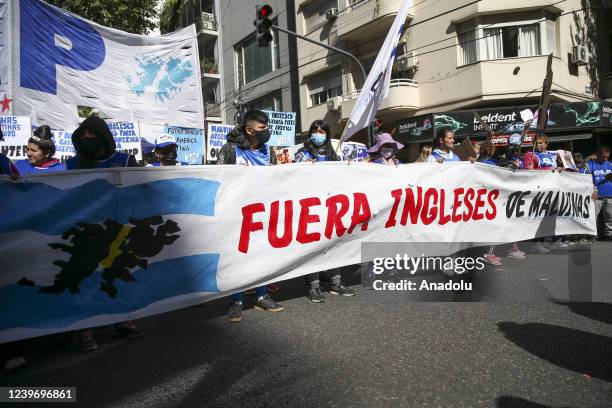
pixel 453 56
pixel 204 14
pixel 258 77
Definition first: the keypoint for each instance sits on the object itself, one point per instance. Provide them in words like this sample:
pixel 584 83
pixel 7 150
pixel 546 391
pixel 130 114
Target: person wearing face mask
pixel 246 144
pixel 7 168
pixel 40 154
pixel 166 152
pixel 95 147
pixel 443 143
pixel 385 150
pixel 318 147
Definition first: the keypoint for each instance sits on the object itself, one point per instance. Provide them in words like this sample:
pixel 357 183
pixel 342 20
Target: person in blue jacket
pixel 318 148
pixel 40 154
pixel 7 168
pixel 601 171
pixel 443 147
pixel 96 148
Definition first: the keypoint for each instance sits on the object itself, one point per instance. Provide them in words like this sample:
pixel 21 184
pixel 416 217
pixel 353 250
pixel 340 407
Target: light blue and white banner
pixel 282 128
pixel 16 131
pixel 93 247
pixel 74 63
pixel 190 143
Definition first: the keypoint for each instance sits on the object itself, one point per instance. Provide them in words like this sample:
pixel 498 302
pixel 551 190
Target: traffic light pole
pixel 339 51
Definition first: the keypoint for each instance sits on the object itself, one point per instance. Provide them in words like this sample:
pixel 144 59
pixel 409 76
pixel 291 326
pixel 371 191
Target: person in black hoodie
pixel 95 147
pixel 246 144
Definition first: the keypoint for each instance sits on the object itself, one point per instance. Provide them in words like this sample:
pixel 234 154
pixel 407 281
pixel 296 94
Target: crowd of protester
pixel 247 145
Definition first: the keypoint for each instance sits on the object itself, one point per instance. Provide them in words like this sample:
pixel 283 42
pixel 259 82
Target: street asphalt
pixel 514 341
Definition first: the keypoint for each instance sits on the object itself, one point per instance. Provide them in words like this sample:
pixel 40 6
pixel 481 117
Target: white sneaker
pixel 559 245
pixel 515 254
pixel 539 248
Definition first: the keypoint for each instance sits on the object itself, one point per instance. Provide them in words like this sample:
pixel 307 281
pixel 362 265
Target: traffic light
pixel 263 24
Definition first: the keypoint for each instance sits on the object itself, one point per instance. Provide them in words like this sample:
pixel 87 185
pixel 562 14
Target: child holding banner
pixel 40 154
pixel 246 145
pixel 318 147
pixel 166 152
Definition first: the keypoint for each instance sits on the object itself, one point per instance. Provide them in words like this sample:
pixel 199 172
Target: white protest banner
pixel 216 136
pixel 76 65
pixel 282 128
pixel 5 101
pixel 16 131
pixel 376 86
pixel 190 143
pixel 127 139
pixel 183 235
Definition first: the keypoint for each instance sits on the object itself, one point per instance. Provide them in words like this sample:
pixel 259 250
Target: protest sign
pixel 190 143
pixel 282 128
pixel 187 234
pixel 216 136
pixel 127 138
pixel 16 131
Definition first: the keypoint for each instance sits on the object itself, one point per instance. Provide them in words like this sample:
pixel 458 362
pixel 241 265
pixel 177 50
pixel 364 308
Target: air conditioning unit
pixel 408 62
pixel 334 104
pixel 208 17
pixel 580 55
pixel 331 14
pixel 208 25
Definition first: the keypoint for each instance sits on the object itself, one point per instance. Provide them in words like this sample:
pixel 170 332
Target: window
pixel 270 102
pixel 253 62
pixel 314 14
pixel 322 96
pixel 501 42
pixel 324 86
pixel 467 47
pixel 508 42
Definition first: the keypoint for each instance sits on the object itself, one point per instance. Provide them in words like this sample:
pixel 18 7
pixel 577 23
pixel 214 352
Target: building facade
pixel 258 77
pixel 204 14
pixel 452 57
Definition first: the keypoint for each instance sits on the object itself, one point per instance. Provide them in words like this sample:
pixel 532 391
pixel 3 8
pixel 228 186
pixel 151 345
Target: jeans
pixel 603 205
pixel 312 280
pixel 259 291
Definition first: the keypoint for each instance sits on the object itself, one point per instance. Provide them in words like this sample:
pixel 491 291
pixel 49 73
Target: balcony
pixel 367 19
pixel 208 25
pixel 210 69
pixel 503 6
pixel 403 96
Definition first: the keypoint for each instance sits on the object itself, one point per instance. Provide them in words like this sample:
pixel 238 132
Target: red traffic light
pixel 263 12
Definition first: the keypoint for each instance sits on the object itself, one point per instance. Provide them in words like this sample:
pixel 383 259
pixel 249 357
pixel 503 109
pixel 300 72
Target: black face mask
pixel 91 145
pixel 263 136
pixel 168 159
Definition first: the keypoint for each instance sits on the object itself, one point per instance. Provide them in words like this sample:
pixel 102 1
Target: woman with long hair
pixel 318 147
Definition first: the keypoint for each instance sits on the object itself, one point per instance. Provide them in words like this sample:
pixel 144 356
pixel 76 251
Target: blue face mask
pixel 318 139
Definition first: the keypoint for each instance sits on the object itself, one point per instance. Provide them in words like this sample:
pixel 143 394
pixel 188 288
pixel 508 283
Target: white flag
pixel 376 87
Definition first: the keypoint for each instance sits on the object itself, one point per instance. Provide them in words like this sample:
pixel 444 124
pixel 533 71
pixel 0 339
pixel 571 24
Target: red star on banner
pixel 6 102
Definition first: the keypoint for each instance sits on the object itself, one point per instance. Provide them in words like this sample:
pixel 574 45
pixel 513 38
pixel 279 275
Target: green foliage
pixel 169 9
pixel 133 16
